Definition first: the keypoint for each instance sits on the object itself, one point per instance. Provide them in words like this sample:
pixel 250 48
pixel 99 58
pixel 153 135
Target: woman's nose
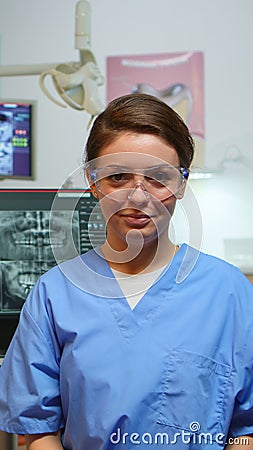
pixel 139 195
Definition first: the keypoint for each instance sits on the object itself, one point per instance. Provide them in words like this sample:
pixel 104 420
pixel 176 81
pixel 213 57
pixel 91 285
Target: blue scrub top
pixel 177 370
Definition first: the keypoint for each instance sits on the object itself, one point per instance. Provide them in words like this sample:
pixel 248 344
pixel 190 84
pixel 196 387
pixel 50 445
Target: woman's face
pixel 138 209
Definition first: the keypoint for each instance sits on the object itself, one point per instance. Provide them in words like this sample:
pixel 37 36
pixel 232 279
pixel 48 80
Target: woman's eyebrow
pixel 119 166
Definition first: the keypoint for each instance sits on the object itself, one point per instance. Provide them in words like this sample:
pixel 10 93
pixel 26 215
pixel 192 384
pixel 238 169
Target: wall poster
pixel 175 78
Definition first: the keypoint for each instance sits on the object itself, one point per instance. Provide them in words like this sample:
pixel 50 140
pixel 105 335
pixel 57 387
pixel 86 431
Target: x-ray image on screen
pixel 27 250
pixel 24 235
pixel 17 280
pixel 40 228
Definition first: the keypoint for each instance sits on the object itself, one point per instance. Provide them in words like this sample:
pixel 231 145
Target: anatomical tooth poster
pixel 175 78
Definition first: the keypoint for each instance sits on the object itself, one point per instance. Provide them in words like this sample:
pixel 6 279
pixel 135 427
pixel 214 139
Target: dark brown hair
pixel 140 113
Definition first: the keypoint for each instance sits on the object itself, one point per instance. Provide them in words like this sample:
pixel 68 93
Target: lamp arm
pixel 28 69
pixel 82 25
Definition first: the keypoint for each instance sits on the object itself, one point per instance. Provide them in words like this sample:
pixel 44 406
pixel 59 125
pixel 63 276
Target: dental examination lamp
pixel 76 82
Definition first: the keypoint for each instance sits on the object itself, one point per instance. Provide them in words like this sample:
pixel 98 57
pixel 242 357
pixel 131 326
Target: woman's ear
pixel 91 184
pixel 94 191
pixel 179 195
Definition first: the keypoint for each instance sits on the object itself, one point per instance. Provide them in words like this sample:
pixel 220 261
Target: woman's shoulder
pixel 213 267
pixel 83 261
pixel 88 272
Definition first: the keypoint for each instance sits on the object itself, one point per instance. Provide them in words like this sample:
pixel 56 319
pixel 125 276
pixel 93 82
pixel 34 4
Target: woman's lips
pixel 136 219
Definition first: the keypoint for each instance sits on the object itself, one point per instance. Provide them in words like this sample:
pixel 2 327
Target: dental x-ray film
pixel 30 240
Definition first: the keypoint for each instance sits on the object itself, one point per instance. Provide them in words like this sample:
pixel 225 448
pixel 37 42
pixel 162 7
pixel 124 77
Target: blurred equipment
pixel 75 82
pixel 7 441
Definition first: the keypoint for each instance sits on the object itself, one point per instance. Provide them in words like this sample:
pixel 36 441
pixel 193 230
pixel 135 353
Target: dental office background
pixel 33 32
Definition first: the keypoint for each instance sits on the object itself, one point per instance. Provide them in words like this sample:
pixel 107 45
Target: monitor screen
pixel 17 125
pixel 38 229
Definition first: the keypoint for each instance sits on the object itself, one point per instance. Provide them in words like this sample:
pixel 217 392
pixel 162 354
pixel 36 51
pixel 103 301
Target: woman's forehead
pixel 134 160
pixel 141 149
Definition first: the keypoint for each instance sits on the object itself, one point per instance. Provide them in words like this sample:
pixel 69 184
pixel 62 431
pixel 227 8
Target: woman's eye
pixel 117 177
pixel 160 177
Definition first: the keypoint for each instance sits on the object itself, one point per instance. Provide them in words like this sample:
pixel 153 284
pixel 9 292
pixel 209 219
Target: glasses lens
pixel 163 181
pixel 160 181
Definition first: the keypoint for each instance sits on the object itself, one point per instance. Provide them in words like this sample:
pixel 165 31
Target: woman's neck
pixel 151 257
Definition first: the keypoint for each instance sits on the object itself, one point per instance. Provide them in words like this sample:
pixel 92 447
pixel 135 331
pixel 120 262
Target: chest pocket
pixel 194 392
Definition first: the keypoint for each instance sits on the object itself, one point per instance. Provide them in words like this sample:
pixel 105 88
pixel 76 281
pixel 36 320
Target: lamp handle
pixel 54 74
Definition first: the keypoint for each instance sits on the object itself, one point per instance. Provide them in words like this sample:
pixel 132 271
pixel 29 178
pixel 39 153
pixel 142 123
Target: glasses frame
pixel 94 173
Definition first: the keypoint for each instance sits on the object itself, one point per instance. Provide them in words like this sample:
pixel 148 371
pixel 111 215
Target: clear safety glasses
pixel 161 181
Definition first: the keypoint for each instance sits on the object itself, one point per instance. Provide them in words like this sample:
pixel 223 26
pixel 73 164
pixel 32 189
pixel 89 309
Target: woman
pixel 137 342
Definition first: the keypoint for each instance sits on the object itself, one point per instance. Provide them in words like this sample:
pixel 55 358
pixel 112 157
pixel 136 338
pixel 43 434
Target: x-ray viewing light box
pixel 17 138
pixel 35 224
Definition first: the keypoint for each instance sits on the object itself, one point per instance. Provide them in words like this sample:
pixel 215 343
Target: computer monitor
pixel 39 228
pixel 17 137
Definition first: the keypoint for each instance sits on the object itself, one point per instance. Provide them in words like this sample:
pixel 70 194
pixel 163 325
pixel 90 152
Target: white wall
pixel 36 32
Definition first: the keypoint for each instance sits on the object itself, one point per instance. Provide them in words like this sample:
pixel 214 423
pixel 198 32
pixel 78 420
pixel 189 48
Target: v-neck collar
pixel 92 274
pixel 130 321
